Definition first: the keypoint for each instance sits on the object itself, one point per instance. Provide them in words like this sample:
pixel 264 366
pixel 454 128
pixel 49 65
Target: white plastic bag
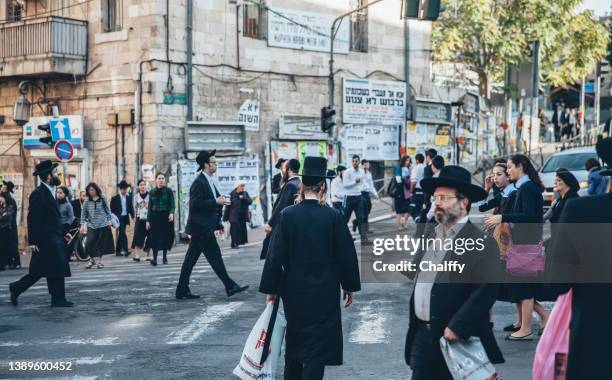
pixel 467 359
pixel 249 368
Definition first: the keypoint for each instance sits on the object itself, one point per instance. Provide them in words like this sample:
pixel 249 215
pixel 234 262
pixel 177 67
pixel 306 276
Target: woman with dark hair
pixel 567 186
pixel 96 224
pixel 310 258
pixel 160 218
pixel 402 193
pixel 527 220
pixel 237 213
pixel 141 206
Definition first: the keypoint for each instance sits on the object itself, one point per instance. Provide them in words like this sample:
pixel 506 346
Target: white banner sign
pixel 305 31
pixel 373 102
pixel 372 142
pixel 249 115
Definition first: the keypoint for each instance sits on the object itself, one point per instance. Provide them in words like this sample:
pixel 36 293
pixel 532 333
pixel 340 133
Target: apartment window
pixel 359 27
pixel 15 10
pixel 253 20
pixel 112 15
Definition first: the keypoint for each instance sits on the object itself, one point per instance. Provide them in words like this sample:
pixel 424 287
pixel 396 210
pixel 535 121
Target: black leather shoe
pixel 63 303
pixel 153 262
pixel 165 261
pixel 187 296
pixel 14 294
pixel 236 289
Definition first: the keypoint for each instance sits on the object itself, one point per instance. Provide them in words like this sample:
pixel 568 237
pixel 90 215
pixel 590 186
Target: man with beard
pixel 13 242
pixel 450 304
pixel 286 197
pixel 45 239
pixel 276 180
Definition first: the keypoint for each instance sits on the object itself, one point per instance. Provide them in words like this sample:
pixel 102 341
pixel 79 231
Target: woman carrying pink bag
pixel 550 361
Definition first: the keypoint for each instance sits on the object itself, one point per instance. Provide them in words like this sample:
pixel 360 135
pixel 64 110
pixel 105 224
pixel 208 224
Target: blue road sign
pixel 60 129
pixel 64 151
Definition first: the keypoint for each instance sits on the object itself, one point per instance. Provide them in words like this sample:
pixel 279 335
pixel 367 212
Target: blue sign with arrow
pixel 60 129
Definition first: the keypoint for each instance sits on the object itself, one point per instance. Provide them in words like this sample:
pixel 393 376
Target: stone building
pixel 100 58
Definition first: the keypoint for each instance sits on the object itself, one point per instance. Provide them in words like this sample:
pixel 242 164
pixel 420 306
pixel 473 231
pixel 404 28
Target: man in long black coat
pixel 13 258
pixel 123 207
pixel 580 259
pixel 311 258
pixel 205 211
pixel 448 304
pixel 285 199
pixel 46 240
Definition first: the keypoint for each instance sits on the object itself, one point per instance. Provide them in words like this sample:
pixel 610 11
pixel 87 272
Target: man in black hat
pixel 450 304
pixel 286 198
pixel 579 259
pixel 276 180
pixel 45 239
pixel 14 262
pixel 123 207
pixel 205 212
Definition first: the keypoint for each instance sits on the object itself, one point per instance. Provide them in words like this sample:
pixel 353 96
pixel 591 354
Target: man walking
pixel 123 207
pixel 416 175
pixel 448 304
pixel 14 262
pixel 352 180
pixel 45 239
pixel 205 211
pixel 367 192
pixel 286 198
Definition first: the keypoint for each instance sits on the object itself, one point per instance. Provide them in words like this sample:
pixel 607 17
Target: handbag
pixel 550 361
pixel 526 260
pixel 467 359
pixel 114 220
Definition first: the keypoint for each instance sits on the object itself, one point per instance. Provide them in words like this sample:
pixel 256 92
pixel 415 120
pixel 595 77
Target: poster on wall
pixel 249 115
pixel 301 30
pixel 377 102
pixel 301 149
pixel 17 179
pixel 373 142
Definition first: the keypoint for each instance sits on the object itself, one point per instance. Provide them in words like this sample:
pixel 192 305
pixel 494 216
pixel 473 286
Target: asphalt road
pixel 127 324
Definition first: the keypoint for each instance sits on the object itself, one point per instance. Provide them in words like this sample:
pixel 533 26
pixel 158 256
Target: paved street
pixel 127 324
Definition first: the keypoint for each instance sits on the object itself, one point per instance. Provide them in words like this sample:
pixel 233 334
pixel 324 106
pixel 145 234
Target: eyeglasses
pixel 443 197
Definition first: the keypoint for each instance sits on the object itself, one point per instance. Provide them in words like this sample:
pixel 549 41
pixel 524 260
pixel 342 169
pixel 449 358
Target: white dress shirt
pixel 417 174
pixel 337 190
pixel 211 183
pixel 349 181
pixel 368 184
pixel 123 204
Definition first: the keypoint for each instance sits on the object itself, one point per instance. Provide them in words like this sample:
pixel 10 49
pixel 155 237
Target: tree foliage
pixel 488 35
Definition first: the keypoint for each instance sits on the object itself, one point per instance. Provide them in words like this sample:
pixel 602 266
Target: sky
pixel 600 7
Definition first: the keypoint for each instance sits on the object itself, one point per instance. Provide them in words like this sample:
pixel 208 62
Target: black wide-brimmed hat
pixel 604 150
pixel 10 186
pixel 455 177
pixel 203 157
pixel 569 179
pixel 279 163
pixel 314 170
pixel 44 167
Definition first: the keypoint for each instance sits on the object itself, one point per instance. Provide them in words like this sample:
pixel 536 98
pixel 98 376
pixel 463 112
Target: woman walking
pixel 527 218
pixel 402 194
pixel 160 218
pixel 66 215
pixel 567 186
pixel 7 211
pixel 237 213
pixel 311 257
pixel 96 224
pixel 141 207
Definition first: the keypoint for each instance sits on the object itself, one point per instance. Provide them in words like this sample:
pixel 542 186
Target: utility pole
pixel 581 110
pixel 535 85
pixel 597 95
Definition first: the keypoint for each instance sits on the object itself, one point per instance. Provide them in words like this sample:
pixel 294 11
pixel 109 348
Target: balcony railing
pixel 46 45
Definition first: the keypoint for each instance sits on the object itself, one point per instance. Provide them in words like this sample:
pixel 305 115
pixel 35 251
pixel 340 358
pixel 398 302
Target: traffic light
pixel 421 9
pixel 328 119
pixel 47 140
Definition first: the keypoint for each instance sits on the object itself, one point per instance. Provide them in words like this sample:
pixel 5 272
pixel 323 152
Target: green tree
pixel 488 35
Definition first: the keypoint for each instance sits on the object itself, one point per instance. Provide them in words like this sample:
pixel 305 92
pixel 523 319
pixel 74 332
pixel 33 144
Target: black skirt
pixel 140 234
pixel 99 242
pixel 161 234
pixel 401 204
pixel 238 232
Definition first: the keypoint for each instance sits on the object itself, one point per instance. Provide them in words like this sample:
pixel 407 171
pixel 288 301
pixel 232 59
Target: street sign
pixel 60 129
pixel 64 151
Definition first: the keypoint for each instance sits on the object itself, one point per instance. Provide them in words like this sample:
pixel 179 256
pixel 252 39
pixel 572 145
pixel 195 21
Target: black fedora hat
pixel 457 178
pixel 44 167
pixel 203 157
pixel 279 163
pixel 604 150
pixel 340 168
pixel 314 170
pixel 10 186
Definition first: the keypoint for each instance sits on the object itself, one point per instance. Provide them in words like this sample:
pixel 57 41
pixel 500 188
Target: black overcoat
pixel 461 305
pixel 45 231
pixel 115 206
pixel 286 198
pixel 311 257
pixel 583 240
pixel 204 212
pixel 527 214
pixel 238 210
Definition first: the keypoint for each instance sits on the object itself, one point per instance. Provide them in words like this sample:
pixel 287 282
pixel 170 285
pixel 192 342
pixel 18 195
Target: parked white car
pixel 571 159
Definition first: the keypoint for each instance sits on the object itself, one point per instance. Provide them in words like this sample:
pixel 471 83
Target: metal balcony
pixel 43 46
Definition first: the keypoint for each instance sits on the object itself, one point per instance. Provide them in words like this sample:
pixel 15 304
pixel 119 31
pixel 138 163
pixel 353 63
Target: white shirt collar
pixel 52 189
pixel 506 191
pixel 521 181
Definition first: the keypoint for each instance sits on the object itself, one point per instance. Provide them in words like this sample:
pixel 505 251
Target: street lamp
pixel 22 110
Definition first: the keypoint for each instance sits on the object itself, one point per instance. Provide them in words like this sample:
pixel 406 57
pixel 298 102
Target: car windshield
pixel 571 162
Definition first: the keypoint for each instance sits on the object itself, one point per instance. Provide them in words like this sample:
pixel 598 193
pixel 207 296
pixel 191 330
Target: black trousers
pixel 212 252
pixel 416 204
pixel 354 203
pixel 338 206
pixel 295 370
pixel 426 360
pixel 55 285
pixel 122 240
pixel 367 206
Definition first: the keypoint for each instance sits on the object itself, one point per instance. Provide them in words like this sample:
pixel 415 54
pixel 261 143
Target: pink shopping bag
pixel 550 362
